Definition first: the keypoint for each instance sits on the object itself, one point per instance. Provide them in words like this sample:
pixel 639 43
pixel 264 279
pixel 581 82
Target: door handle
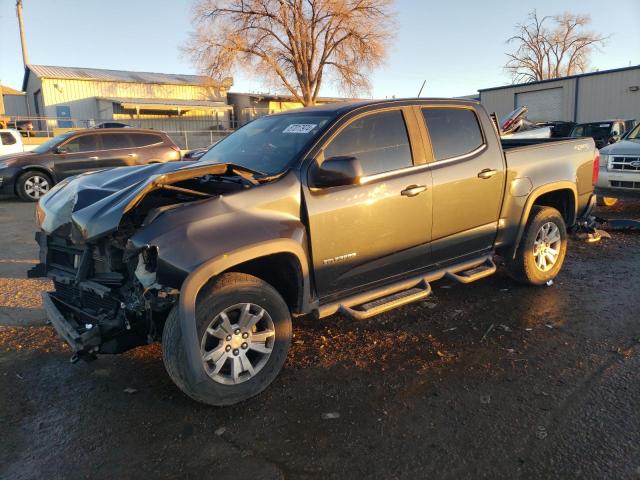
pixel 413 190
pixel 94 158
pixel 487 173
pixel 132 155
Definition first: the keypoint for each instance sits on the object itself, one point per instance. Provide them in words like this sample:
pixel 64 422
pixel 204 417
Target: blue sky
pixel 457 46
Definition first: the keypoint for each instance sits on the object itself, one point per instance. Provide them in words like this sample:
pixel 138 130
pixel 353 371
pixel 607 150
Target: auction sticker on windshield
pixel 300 128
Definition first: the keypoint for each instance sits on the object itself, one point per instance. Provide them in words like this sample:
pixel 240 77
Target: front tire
pixel 33 185
pixel 543 248
pixel 244 334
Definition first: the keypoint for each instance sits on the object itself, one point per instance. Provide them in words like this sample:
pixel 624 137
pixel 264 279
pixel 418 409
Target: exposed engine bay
pixel 106 287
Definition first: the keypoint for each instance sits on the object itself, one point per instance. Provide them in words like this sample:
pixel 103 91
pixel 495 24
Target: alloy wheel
pixel 237 343
pixel 546 248
pixel 36 186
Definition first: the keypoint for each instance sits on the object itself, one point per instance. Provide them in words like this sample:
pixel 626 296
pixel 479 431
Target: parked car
pixel 32 174
pixel 111 124
pixel 10 141
pixel 350 207
pixel 620 169
pixel 603 133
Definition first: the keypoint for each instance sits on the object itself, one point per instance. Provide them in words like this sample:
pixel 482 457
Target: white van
pixel 10 141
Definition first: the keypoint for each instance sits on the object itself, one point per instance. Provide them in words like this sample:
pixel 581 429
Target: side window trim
pixel 410 138
pixel 429 144
pixel 75 137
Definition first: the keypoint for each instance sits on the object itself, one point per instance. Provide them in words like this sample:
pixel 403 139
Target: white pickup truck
pixel 10 141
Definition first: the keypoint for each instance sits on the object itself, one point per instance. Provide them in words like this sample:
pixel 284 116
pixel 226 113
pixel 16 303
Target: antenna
pixel 420 92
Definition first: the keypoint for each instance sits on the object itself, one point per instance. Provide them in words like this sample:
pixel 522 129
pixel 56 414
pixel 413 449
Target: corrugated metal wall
pixel 503 101
pixel 609 96
pixel 600 97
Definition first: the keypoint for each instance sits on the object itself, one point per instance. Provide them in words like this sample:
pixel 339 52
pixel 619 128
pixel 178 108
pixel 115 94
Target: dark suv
pixel 31 174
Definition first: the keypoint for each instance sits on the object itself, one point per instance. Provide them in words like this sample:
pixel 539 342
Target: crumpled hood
pixel 623 147
pixel 95 202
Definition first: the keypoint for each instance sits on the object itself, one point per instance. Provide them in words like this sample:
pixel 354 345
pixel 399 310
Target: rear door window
pixel 83 143
pixel 453 131
pixel 7 139
pixel 115 141
pixel 380 141
pixel 145 139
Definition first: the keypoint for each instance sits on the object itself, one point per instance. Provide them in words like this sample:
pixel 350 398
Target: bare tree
pixel 552 47
pixel 293 44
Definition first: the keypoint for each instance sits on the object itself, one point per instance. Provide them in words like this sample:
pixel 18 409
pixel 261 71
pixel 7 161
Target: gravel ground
pixel 488 380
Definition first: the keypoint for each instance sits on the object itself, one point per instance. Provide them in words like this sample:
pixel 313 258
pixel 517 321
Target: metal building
pixel 578 98
pixel 79 97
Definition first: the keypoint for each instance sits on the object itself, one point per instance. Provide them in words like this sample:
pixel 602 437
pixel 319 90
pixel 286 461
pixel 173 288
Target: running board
pixel 368 303
pixel 476 273
pixel 383 304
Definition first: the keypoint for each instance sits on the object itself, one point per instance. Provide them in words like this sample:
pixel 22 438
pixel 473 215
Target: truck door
pixel 468 182
pixel 378 229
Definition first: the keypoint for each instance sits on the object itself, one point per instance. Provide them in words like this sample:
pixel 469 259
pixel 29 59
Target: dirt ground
pixel 489 380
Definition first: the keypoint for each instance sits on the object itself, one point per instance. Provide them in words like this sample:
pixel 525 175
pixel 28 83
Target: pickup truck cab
pixel 10 141
pixel 354 208
pixel 603 133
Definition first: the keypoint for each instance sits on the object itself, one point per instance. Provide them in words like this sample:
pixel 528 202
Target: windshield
pixel 634 134
pixel 595 130
pixel 49 144
pixel 269 144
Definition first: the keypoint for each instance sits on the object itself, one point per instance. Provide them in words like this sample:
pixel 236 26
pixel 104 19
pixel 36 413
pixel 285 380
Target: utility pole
pixel 23 39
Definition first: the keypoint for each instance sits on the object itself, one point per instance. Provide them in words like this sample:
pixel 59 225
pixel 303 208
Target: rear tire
pixel 542 249
pixel 33 185
pixel 264 344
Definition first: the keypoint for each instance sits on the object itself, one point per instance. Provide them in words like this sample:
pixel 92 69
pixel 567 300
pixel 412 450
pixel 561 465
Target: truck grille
pixel 619 184
pixel 626 164
pixel 86 300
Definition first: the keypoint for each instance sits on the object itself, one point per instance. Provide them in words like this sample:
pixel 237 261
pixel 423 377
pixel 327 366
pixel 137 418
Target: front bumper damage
pixel 81 339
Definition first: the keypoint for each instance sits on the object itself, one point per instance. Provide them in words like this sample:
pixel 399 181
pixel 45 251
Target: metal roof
pixel 559 79
pixel 9 91
pixel 98 74
pixel 170 102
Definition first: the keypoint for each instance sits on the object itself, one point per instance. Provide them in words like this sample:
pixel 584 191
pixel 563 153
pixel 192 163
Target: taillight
pixel 596 168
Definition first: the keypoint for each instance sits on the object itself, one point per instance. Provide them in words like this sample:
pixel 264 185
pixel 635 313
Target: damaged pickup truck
pixel 354 208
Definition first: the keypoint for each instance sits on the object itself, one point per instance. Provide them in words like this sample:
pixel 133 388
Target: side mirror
pixel 60 150
pixel 335 172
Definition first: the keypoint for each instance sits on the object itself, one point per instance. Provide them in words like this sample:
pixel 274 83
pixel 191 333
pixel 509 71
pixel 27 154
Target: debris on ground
pixel 330 415
pixel 506 328
pixel 485 399
pixel 220 431
pixel 130 390
pixel 487 332
pixel 549 283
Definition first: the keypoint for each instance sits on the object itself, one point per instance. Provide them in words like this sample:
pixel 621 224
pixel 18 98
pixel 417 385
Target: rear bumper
pixel 618 192
pixel 80 341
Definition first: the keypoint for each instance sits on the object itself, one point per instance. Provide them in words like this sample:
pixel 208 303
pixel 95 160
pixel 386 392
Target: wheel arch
pixel 562 196
pixel 255 258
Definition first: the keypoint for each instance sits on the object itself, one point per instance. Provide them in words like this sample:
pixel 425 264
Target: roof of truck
pixel 344 107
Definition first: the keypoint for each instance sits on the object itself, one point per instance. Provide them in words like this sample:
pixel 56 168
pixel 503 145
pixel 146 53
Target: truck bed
pixel 508 144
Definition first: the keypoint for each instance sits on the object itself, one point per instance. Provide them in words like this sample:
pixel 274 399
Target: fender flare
pixel 533 196
pixel 215 266
pixel 41 168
